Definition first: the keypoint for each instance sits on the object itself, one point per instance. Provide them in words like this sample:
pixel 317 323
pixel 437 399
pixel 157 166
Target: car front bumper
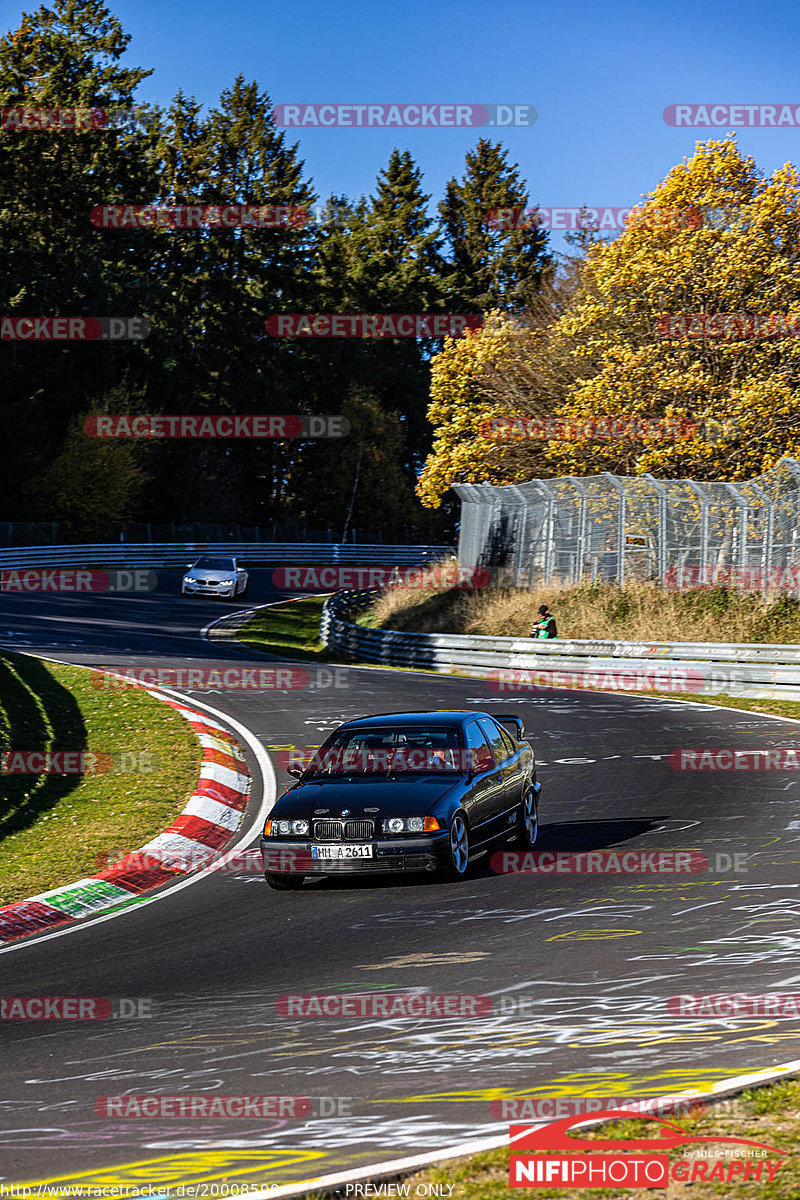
pixel 284 857
pixel 203 589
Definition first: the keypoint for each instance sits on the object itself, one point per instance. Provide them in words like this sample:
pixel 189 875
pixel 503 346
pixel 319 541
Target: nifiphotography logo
pixel 538 1157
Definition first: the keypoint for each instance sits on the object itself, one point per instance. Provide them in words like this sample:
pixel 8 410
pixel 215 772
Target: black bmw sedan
pixel 418 791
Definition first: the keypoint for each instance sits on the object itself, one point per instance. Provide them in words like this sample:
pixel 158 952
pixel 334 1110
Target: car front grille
pixel 341 831
pixel 359 831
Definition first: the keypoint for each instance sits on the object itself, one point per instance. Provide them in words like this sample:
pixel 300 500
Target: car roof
pixel 446 717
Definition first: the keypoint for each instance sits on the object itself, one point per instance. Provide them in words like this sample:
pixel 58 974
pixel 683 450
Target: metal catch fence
pixel 610 528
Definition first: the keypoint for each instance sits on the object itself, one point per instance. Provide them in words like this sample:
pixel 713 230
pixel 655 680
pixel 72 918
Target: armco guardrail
pixel 147 554
pixel 753 670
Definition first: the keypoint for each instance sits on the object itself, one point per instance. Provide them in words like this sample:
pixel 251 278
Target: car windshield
pixel 214 564
pixel 408 751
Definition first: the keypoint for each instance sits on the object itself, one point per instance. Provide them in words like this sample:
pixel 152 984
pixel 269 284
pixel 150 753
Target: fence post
pixel 550 532
pixel 621 515
pixel 580 550
pixel 661 546
pixel 793 466
pixel 698 491
pixel 766 541
pixel 742 503
pixel 520 536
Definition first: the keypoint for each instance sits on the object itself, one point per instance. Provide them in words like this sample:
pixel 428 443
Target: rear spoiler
pixel 516 725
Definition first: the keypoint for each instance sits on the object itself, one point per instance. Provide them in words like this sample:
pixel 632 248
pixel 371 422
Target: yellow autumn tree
pixel 731 403
pixel 463 451
pixel 510 365
pixel 738 395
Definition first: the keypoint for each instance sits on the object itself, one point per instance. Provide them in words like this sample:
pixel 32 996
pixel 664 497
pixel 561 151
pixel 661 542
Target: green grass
pixel 290 629
pixel 765 1114
pixel 53 828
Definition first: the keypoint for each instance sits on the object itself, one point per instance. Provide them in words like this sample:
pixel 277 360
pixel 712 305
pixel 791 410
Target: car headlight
pixel 225 582
pixel 410 825
pixel 188 579
pixel 284 828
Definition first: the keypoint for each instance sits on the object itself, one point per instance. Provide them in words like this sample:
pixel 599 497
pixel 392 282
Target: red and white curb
pixel 208 822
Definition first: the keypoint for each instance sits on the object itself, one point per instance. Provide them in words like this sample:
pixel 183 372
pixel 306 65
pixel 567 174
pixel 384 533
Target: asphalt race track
pixel 593 958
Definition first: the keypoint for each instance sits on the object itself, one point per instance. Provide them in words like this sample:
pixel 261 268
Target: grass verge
pixel 290 629
pixel 54 828
pixel 768 1114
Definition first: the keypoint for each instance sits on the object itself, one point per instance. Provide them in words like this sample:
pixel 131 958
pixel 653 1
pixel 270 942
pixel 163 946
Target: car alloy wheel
pixel 458 848
pixel 284 883
pixel 529 819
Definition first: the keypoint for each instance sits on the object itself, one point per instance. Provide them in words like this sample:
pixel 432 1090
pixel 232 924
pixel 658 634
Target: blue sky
pixel 599 75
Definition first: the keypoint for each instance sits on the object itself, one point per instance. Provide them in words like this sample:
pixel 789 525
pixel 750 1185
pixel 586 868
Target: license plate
pixel 343 851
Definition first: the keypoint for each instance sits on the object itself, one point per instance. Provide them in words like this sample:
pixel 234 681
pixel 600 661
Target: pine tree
pixel 396 267
pixel 491 268
pixel 53 262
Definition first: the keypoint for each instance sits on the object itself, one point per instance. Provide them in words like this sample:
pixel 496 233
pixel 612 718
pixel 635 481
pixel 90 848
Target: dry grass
pixel 640 612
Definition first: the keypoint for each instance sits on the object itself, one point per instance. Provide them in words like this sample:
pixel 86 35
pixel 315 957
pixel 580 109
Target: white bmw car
pixel 215 577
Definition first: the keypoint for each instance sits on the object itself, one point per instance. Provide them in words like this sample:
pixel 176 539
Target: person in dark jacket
pixel 546 626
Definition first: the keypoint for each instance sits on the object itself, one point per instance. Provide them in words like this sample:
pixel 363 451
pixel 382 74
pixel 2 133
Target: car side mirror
pixel 295 771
